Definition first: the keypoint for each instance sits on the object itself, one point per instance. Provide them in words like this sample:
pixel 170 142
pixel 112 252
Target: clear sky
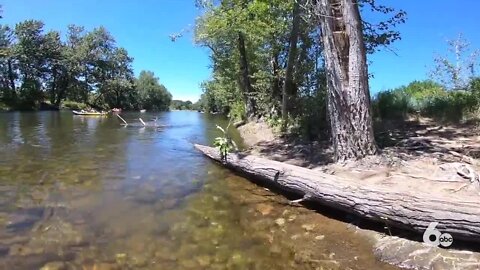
pixel 143 28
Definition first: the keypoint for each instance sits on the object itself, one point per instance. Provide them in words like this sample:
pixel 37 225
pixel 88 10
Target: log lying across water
pixel 413 210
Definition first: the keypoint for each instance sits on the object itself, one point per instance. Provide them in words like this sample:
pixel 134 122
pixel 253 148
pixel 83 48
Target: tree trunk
pixel 53 90
pixel 413 210
pixel 276 92
pixel 347 79
pixel 61 92
pixel 292 55
pixel 11 78
pixel 245 84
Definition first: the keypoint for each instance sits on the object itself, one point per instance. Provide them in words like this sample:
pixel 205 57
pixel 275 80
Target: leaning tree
pixel 347 78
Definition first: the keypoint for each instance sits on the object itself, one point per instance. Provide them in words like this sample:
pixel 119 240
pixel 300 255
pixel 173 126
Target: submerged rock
pixel 264 208
pixel 146 197
pixel 106 266
pixel 237 260
pixel 189 264
pixel 308 227
pixel 280 221
pixel 275 249
pixel 54 266
pixel 203 260
pixel 100 266
pixel 25 250
pixel 24 219
pixel 292 218
pixel 50 235
pixel 415 255
pixel 166 204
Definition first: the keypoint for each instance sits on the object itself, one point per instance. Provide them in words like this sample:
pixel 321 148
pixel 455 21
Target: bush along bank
pixel 429 99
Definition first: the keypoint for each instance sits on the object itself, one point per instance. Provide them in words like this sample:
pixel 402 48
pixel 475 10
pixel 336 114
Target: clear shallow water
pixel 86 193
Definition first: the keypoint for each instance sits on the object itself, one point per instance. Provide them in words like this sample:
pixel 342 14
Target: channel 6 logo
pixel 434 237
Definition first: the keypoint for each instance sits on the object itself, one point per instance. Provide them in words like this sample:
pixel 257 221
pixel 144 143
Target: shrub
pixel 428 98
pixel 310 121
pixel 424 90
pixel 455 106
pixel 4 107
pixel 237 111
pixel 475 86
pixel 392 104
pixel 72 105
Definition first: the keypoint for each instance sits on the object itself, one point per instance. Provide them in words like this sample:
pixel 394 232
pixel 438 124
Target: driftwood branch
pixel 413 210
pixel 126 124
pixel 304 198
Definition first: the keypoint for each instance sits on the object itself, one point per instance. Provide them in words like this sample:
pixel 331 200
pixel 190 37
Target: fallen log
pixel 413 210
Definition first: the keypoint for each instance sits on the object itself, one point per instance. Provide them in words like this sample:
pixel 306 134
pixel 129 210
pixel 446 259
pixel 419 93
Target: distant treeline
pixel 186 105
pixel 79 69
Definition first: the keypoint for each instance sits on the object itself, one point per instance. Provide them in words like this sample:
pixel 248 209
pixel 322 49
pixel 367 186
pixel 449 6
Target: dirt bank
pixel 254 133
pixel 411 155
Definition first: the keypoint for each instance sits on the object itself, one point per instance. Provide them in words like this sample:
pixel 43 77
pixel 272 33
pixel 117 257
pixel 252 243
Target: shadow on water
pixel 88 193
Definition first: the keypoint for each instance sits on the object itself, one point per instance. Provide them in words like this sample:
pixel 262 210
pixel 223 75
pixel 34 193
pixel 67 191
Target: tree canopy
pixel 152 94
pixel 38 67
pixel 267 59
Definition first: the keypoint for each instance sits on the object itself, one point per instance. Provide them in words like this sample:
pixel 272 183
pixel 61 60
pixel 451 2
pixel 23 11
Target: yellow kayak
pixel 89 113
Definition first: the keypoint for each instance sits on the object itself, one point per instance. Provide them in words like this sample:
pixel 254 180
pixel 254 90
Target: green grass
pixel 4 107
pixel 72 105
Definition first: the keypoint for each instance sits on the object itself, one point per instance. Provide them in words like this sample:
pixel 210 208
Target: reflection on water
pixel 87 193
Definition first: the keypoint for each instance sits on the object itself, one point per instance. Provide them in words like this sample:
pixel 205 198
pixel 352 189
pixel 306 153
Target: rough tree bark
pixel 413 210
pixel 11 78
pixel 292 55
pixel 62 90
pixel 53 90
pixel 245 84
pixel 347 79
pixel 276 92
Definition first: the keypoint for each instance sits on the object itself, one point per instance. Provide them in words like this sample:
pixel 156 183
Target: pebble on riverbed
pixel 280 221
pixel 54 266
pixel 264 208
pixel 308 227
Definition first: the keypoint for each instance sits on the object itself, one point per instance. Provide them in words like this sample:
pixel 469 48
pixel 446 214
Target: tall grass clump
pixel 429 99
pixel 72 105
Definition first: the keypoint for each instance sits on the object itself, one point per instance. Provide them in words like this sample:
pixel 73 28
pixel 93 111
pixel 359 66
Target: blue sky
pixel 429 24
pixel 143 27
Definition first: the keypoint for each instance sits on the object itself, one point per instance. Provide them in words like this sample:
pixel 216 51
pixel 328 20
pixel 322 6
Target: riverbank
pixel 43 106
pixel 411 153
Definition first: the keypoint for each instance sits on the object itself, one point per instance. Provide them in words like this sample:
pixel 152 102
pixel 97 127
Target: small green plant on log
pixel 224 143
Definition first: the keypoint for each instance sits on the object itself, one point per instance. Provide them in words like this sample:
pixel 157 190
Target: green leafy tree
pixel 31 61
pixel 152 94
pixel 182 105
pixel 55 69
pixel 8 65
pixel 267 58
pixel 117 88
pixel 82 67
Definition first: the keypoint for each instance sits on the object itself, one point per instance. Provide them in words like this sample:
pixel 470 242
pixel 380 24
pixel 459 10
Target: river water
pixel 87 193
